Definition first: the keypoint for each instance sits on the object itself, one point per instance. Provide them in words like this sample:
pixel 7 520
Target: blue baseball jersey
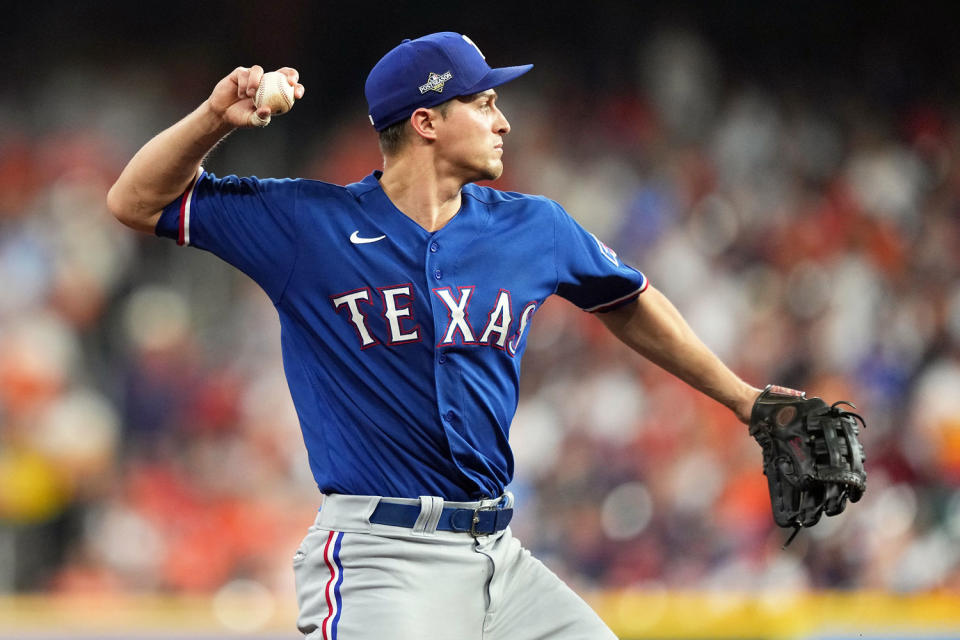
pixel 401 347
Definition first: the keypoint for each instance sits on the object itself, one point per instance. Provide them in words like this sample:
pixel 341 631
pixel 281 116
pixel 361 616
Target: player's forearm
pixel 163 168
pixel 655 329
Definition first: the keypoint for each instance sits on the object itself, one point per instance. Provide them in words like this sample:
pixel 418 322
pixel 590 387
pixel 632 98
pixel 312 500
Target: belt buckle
pixel 476 520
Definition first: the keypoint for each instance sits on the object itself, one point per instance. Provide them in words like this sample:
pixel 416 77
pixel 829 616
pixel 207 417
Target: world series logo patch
pixel 435 82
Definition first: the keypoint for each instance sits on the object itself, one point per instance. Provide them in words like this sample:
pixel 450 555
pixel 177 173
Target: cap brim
pixel 497 77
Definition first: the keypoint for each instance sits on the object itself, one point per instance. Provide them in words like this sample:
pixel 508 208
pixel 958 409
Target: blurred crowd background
pixel 788 175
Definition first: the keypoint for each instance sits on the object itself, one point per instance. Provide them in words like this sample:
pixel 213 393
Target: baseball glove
pixel 812 456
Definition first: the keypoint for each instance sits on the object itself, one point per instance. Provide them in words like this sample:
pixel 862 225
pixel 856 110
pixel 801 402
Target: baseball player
pixel 405 302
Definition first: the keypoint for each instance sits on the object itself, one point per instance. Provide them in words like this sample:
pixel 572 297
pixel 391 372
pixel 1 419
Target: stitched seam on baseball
pixel 285 89
pixel 258 100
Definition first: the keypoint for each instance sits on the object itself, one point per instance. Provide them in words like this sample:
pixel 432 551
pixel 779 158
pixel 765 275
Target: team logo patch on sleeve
pixel 435 82
pixel 607 252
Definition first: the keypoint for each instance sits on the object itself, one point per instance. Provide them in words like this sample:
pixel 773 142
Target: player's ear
pixel 423 120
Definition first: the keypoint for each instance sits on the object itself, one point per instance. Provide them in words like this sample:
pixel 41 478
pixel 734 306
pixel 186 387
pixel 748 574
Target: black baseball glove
pixel 812 456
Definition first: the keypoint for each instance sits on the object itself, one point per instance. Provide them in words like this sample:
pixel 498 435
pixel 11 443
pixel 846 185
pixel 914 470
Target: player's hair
pixel 394 137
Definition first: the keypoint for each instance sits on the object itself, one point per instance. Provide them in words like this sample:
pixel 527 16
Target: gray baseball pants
pixel 362 581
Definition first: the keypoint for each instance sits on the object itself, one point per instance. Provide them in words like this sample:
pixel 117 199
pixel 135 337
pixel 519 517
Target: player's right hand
pixel 232 98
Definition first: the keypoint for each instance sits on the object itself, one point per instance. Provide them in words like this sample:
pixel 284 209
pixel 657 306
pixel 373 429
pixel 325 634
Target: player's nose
pixel 501 125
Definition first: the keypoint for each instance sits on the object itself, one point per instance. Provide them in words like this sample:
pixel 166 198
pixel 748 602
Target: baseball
pixel 276 92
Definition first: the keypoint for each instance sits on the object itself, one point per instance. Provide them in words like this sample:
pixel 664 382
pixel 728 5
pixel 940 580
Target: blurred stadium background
pixel 788 173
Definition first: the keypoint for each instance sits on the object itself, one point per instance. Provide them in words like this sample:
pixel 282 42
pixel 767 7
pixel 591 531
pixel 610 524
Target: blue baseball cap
pixel 427 71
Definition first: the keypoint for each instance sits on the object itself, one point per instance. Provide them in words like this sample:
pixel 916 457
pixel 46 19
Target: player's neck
pixel 420 192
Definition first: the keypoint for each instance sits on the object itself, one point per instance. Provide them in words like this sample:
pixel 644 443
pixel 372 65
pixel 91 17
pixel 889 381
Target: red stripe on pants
pixel 333 575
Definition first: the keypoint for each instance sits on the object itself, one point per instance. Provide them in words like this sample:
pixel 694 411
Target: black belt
pixel 481 521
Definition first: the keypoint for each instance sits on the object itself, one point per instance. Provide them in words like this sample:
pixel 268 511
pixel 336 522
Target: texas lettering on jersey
pixel 394 305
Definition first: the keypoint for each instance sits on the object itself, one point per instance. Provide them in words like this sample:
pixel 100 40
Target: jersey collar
pixel 389 216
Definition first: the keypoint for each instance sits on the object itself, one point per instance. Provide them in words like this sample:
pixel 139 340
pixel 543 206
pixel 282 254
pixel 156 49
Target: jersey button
pixel 442 358
pixel 434 247
pixel 437 274
pixel 448 416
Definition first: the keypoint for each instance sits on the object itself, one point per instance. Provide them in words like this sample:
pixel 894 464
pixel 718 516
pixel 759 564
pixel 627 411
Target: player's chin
pixel 481 171
pixel 493 171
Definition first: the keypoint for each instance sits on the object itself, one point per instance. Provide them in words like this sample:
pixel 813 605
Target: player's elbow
pixel 127 208
pixel 116 204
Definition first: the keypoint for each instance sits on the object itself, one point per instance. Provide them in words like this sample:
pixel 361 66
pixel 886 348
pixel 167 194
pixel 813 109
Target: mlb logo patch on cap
pixel 435 82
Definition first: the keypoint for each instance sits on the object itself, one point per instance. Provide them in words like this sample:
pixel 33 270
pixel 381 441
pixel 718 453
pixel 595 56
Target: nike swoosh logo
pixel 356 239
